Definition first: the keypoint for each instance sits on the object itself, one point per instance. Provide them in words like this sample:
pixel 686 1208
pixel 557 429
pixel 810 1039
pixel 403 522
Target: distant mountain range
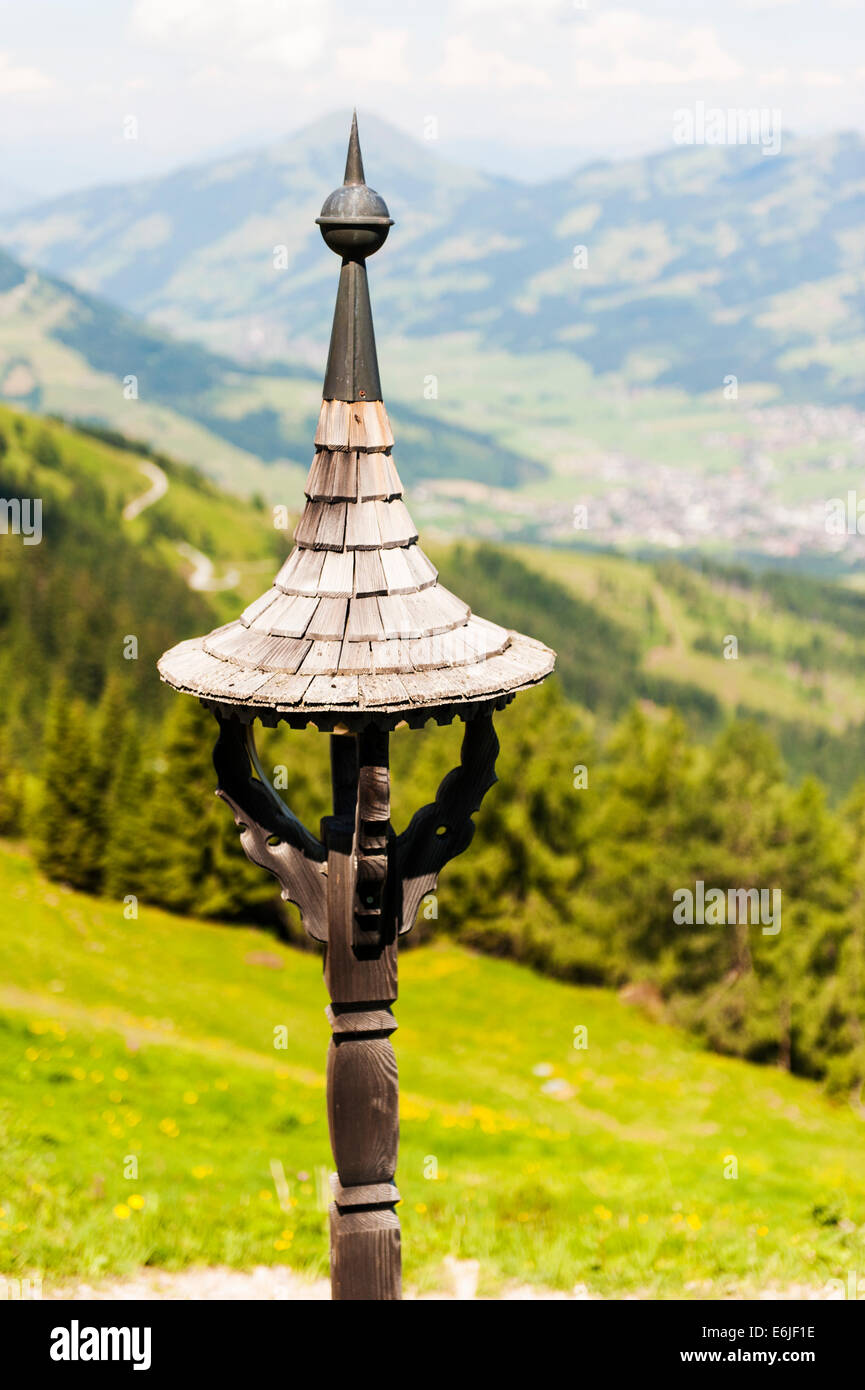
pixel 699 263
pixel 250 426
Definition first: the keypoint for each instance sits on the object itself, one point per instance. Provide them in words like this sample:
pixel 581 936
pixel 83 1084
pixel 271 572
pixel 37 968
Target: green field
pixel 153 1040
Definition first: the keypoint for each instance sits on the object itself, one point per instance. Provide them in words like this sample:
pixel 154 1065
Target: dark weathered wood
pixel 354 974
pixel 361 978
pixel 444 828
pixel 343 775
pixel 362 1107
pixel 365 1256
pixel 373 899
pixel 271 835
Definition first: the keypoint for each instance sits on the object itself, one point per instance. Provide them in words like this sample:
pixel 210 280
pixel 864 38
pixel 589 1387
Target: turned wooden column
pixel 360 972
pixel 358 889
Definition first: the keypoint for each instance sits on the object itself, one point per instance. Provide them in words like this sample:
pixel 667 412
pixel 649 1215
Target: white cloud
pixel 550 9
pixel 817 77
pixel 283 33
pixel 381 60
pixel 465 65
pixel 15 80
pixel 626 49
pixel 295 50
pixel 773 78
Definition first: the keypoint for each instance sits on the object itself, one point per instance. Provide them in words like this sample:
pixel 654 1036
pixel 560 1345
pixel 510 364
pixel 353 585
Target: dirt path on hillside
pixel 203 577
pixel 158 488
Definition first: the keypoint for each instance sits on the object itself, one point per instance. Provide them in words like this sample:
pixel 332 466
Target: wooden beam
pixel 361 977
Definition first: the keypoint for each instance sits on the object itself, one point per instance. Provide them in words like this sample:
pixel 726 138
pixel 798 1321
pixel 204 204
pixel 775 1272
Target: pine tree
pixel 129 850
pixel 198 863
pixel 108 739
pixel 11 790
pixel 67 831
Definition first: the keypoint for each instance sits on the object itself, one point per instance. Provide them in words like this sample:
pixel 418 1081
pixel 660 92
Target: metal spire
pixel 354 222
pixel 354 161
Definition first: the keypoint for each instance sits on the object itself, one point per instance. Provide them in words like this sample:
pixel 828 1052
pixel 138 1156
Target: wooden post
pixel 368 896
pixel 361 977
pixel 359 886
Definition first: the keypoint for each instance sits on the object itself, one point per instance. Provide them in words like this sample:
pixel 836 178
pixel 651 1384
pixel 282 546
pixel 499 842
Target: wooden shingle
pixel 361 527
pixel 328 622
pixel 364 621
pixel 337 574
pixel 395 524
pixel 301 572
pixel 356 618
pixel 398 571
pixel 375 478
pixel 287 616
pixel 369 573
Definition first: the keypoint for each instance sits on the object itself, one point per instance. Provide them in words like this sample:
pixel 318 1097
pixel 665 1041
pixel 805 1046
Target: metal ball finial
pixel 354 220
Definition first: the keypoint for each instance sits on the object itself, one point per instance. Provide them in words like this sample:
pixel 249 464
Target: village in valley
pixel 792 487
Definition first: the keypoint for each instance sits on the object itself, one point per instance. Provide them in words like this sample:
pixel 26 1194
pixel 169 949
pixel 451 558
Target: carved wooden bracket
pixel 271 835
pixel 400 869
pixel 443 829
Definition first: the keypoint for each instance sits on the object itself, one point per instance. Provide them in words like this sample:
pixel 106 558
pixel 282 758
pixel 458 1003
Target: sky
pixel 532 88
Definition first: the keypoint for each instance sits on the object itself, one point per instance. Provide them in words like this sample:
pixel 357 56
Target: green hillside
pixel 655 631
pixel 251 427
pixel 153 1040
pixel 109 777
pixel 701 260
pixel 68 604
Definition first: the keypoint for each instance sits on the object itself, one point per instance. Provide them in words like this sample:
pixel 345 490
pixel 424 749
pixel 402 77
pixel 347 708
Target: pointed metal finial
pixel 354 159
pixel 354 220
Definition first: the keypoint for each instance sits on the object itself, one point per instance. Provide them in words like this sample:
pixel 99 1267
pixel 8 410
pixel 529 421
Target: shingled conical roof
pixel 356 627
